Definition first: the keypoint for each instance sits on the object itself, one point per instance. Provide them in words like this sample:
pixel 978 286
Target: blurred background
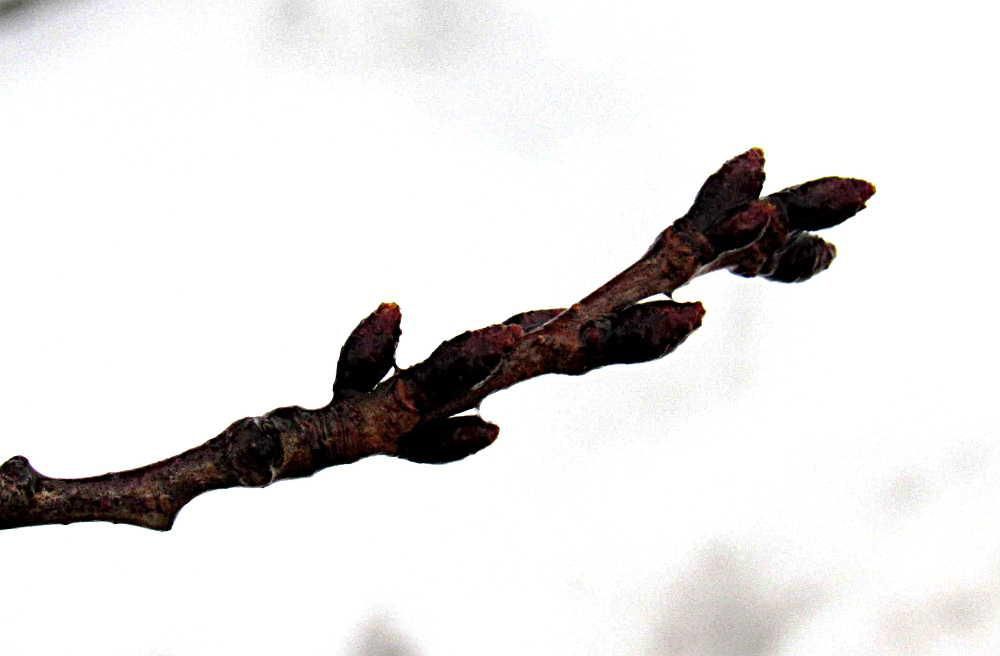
pixel 201 199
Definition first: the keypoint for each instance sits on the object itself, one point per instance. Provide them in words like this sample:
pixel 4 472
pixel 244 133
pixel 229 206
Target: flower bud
pixel 458 364
pixel 739 181
pixel 804 257
pixel 446 440
pixel 742 226
pixel 638 333
pixel 823 203
pixel 368 353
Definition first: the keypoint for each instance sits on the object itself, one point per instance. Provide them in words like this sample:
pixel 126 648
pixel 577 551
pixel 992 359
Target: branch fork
pixel 415 413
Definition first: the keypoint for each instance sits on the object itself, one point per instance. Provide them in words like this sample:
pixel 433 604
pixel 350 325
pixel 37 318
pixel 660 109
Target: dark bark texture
pixel 411 413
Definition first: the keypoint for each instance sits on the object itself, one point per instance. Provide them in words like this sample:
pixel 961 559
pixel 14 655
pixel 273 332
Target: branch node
pixel 18 483
pixel 253 450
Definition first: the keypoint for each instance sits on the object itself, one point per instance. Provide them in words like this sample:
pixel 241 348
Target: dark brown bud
pixel 639 333
pixel 447 440
pixel 742 226
pixel 534 318
pixel 368 353
pixel 458 364
pixel 804 257
pixel 758 258
pixel 651 330
pixel 738 182
pixel 823 203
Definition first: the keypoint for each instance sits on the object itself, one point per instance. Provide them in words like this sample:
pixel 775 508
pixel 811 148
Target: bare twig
pixel 411 414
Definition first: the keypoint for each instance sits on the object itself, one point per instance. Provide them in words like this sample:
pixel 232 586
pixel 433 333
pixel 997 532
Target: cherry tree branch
pixel 412 413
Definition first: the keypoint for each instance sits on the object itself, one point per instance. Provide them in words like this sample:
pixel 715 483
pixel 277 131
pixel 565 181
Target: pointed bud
pixel 739 181
pixel 639 333
pixel 368 353
pixel 458 364
pixel 742 226
pixel 534 318
pixel 823 203
pixel 447 440
pixel 804 257
pixel 652 330
pixel 758 257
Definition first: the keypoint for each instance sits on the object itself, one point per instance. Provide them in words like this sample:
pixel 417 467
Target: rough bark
pixel 411 414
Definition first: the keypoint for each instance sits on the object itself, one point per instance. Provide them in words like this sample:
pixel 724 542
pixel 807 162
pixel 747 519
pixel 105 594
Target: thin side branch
pixel 411 414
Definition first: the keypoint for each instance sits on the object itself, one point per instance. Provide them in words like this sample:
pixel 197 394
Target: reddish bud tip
pixel 446 440
pixel 804 257
pixel 824 203
pixel 387 317
pixel 739 181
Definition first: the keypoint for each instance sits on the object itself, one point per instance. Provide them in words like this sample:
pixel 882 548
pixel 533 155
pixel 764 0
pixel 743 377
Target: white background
pixel 200 199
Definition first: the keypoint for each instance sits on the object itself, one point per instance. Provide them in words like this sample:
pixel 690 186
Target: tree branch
pixel 410 414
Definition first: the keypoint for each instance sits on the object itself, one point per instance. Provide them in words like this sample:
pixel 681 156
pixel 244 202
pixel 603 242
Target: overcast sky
pixel 201 199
